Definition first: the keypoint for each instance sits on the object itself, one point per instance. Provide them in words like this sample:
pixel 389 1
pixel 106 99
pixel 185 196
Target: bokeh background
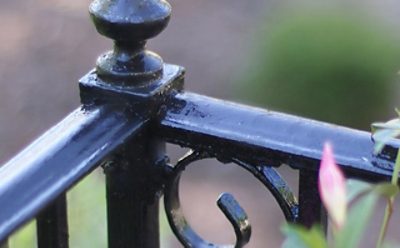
pixel 335 61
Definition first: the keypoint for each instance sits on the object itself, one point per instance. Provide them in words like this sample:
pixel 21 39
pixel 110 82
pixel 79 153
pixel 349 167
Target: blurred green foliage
pixel 25 237
pixel 86 218
pixel 335 66
pixel 87 212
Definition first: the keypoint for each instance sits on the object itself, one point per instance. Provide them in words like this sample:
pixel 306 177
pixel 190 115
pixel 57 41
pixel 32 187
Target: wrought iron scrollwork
pixel 186 235
pixel 277 186
pixel 226 202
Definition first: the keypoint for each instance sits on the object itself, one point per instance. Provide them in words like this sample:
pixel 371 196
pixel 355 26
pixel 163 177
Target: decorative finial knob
pixel 129 23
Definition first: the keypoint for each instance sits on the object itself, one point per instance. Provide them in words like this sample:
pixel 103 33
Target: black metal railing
pixel 132 104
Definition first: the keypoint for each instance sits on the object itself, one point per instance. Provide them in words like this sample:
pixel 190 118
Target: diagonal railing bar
pixel 59 159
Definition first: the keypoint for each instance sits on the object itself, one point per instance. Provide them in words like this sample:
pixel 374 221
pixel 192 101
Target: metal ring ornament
pixel 226 202
pixel 277 186
pixel 186 235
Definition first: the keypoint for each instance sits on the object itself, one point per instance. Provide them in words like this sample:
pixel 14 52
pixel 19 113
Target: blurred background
pixel 335 61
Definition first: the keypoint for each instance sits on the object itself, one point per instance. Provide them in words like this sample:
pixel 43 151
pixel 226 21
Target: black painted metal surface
pixel 57 160
pixel 52 225
pixel 132 104
pixel 132 77
pixel 134 180
pixel 226 202
pixel 278 187
pixel 228 130
pixel 311 209
pixel 129 23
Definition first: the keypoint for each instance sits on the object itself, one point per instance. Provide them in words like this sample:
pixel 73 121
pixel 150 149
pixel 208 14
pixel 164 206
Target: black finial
pixel 129 23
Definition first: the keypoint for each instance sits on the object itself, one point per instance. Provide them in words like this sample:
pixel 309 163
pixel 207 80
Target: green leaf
pixel 386 189
pixel 350 235
pixel 397 111
pixel 383 132
pixel 299 237
pixel 391 124
pixel 356 188
pixel 382 137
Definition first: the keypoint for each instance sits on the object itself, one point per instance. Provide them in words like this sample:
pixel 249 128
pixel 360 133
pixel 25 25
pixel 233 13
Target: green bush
pixel 333 66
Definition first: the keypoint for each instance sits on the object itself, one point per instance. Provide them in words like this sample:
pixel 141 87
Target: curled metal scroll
pixel 226 202
pixel 277 186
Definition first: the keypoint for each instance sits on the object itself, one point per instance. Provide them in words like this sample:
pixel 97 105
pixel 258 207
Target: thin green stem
pixel 385 223
pixel 396 170
pixel 390 202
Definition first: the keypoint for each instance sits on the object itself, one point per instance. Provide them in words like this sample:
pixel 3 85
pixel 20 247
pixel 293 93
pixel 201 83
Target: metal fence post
pixel 311 209
pixel 133 80
pixel 133 194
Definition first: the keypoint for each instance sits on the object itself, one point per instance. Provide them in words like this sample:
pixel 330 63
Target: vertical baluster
pixel 132 177
pixel 311 209
pixel 52 225
pixel 4 244
pixel 132 194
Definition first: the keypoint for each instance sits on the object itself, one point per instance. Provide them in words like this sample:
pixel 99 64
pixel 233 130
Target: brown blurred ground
pixel 46 46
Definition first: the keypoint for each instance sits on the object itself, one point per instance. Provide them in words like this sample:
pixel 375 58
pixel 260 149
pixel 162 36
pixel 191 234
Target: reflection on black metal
pixel 277 186
pixel 232 210
pixel 226 202
pixel 52 224
pixel 237 217
pixel 132 104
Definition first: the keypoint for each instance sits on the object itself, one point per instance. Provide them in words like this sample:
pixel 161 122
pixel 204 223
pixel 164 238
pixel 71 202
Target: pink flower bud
pixel 332 187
